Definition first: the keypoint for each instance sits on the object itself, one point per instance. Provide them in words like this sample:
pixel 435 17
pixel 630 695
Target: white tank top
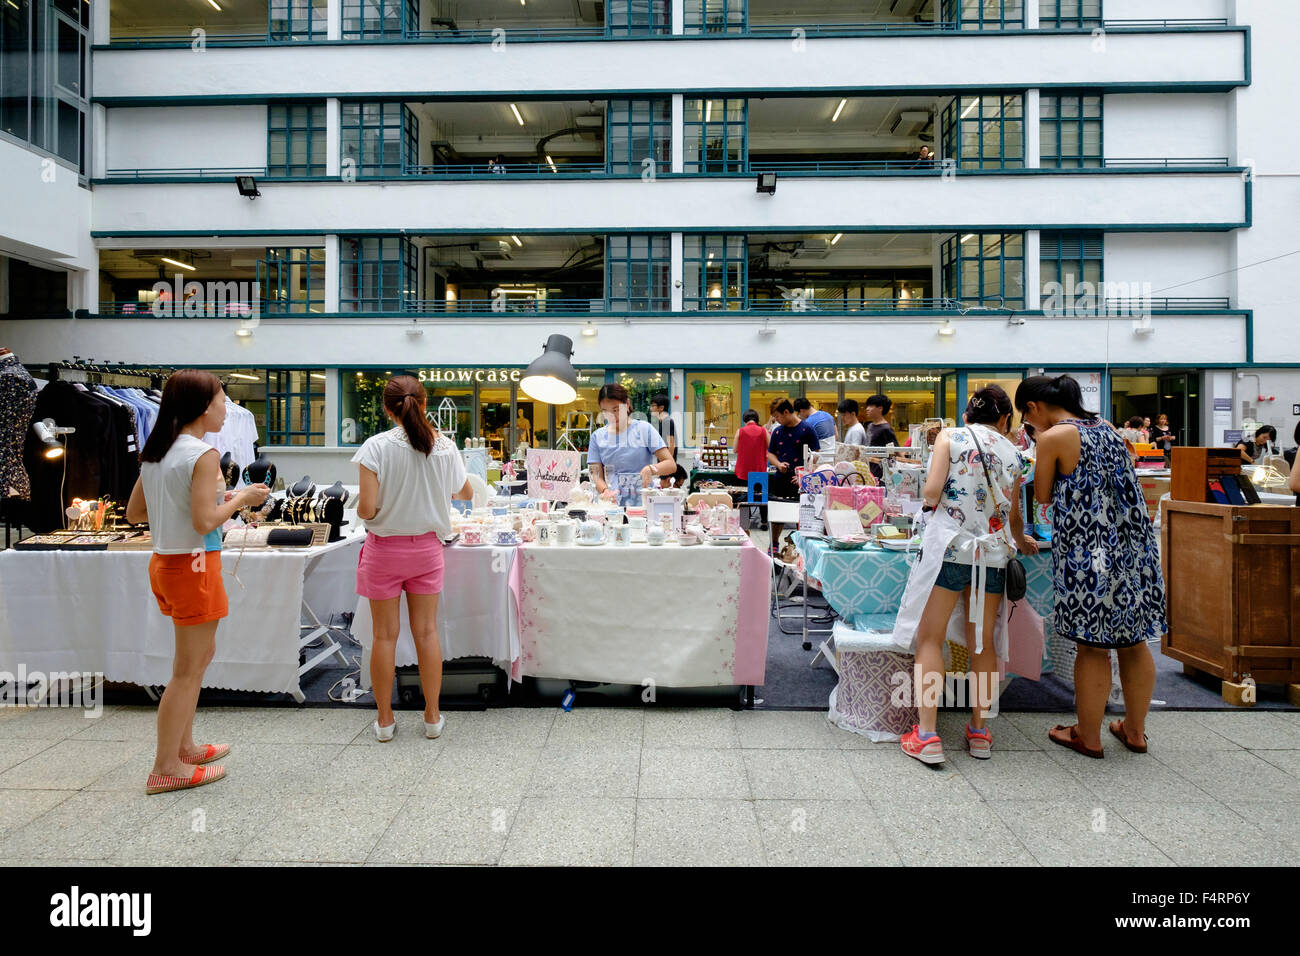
pixel 167 486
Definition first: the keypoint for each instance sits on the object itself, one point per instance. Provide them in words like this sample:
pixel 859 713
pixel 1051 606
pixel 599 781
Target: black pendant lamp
pixel 551 378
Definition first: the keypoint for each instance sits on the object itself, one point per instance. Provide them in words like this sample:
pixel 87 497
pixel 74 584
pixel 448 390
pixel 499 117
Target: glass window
pixel 985 132
pixel 639 269
pixel 295 401
pixel 640 130
pixel 714 272
pixel 985 269
pixel 638 17
pixel 376 273
pixel 1070 131
pixel 1067 261
pixel 296 140
pixel 293 281
pixel 714 136
pixel 375 19
pixel 985 14
pixel 1008 382
pixel 43 75
pixel 299 20
pixel 378 139
pixel 712 406
pixel 575 421
pixel 1060 14
pixel 716 16
pixel 642 387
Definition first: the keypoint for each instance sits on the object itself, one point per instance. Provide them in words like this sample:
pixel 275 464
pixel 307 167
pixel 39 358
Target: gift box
pixel 905 480
pixel 813 482
pixel 867 501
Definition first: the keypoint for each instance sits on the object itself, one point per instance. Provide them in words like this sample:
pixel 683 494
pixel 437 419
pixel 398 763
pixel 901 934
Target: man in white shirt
pixel 854 432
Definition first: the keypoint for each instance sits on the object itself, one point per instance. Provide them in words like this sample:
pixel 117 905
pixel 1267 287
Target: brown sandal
pixel 1123 737
pixel 1074 743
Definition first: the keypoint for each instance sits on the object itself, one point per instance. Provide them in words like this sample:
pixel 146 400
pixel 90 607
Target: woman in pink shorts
pixel 409 474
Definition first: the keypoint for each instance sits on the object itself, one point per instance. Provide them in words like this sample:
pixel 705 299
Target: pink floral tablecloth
pixel 673 616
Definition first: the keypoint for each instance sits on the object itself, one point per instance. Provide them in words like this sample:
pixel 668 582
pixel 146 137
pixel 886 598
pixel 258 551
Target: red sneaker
pixel 927 751
pixel 979 742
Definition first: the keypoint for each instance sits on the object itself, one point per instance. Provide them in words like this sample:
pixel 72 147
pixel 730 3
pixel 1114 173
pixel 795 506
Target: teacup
pixel 591 532
pixel 622 534
pixel 507 537
pixel 565 531
pixel 473 536
pixel 545 533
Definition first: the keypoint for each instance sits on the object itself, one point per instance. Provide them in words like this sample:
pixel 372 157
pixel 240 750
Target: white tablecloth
pixel 679 617
pixel 476 614
pixel 94 611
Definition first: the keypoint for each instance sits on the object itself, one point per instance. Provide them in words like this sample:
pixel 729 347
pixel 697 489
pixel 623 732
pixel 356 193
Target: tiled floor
pixel 644 787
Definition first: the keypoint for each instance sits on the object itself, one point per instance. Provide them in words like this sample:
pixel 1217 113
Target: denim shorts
pixel 956 577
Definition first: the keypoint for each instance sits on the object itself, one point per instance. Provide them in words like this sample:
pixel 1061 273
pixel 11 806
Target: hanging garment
pixel 238 435
pixel 17 401
pixel 88 458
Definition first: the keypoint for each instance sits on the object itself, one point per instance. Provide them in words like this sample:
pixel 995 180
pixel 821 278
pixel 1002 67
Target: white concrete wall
pixel 1269 287
pixel 1167 9
pixel 181 137
pixel 710 65
pixel 661 341
pixel 1019 200
pixel 1168 261
pixel 45 217
pixel 1167 125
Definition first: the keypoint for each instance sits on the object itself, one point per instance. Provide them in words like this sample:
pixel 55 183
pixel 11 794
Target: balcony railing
pixel 490 169
pixel 190 172
pixel 1181 162
pixel 651 305
pixel 451 34
pixel 842 166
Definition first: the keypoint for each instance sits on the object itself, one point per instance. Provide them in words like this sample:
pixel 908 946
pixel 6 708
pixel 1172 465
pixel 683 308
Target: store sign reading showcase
pixel 816 375
pixel 458 376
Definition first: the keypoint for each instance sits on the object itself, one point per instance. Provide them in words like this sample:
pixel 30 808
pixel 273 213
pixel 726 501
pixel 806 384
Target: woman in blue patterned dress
pixel 1110 594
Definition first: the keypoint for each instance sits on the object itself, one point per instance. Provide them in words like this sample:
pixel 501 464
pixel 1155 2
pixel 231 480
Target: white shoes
pixel 434 731
pixel 385 734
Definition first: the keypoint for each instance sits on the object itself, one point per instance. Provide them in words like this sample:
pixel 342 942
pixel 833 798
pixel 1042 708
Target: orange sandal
pixel 159 783
pixel 210 753
pixel 1117 728
pixel 1074 743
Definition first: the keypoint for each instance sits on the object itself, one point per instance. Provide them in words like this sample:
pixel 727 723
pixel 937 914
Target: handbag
pixel 1016 581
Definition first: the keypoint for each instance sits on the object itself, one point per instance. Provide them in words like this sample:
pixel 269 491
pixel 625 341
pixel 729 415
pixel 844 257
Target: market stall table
pixel 94 612
pixel 476 613
pixel 678 616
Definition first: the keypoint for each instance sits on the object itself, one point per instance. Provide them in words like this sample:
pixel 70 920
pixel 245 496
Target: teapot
pixel 591 532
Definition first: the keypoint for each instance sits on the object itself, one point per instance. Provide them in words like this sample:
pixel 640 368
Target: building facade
pixel 726 201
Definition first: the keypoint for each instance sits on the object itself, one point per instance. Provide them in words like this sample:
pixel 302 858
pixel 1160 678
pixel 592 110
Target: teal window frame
pixel 985 14
pixel 627 18
pixel 711 17
pixel 716 258
pixel 298 20
pixel 637 130
pixel 982 270
pixel 1069 14
pixel 275 275
pixel 296 129
pixel 376 273
pixel 977 129
pixel 370 129
pixel 379 19
pixel 638 272
pixel 1071 131
pixel 1078 254
pixel 283 399
pixel 715 135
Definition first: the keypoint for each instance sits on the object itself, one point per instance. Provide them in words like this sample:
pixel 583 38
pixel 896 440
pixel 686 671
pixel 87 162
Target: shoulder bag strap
pixel 993 496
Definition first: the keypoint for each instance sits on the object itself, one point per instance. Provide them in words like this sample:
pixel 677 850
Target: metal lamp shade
pixel 551 378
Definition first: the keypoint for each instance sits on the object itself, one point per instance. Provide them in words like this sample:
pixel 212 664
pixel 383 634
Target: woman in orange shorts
pixel 181 494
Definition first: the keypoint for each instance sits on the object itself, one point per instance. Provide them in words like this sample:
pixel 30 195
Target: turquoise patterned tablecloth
pixel 869 583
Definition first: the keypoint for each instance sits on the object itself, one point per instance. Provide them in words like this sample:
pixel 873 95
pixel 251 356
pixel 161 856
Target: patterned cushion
pixel 864 700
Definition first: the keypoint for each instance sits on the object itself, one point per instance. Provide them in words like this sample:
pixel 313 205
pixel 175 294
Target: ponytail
pixel 404 397
pixel 1062 391
pixel 185 397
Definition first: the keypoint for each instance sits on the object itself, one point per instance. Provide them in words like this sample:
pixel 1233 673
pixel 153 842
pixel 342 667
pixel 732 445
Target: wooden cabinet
pixel 1192 470
pixel 1232 580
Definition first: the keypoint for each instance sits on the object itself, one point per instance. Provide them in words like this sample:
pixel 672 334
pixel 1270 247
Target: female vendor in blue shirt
pixel 625 456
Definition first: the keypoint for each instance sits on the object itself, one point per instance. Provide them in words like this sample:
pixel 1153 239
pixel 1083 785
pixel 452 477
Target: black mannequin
pixel 277 509
pixel 261 471
pixel 332 514
pixel 303 489
pixel 336 490
pixel 230 471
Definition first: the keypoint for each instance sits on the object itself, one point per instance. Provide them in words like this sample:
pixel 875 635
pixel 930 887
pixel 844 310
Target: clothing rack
pixel 94 374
